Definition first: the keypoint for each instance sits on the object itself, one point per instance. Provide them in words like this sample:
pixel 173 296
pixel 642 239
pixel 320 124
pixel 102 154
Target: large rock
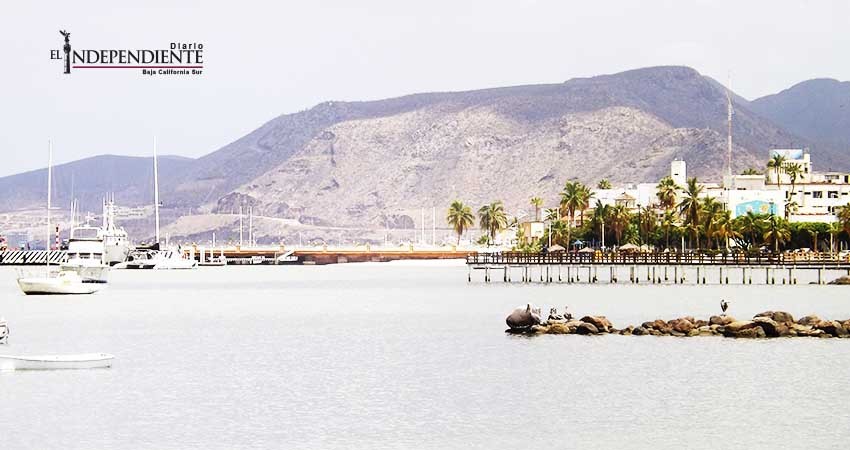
pixel 841 280
pixel 587 328
pixel 721 320
pixel 754 332
pixel 771 327
pixel 559 328
pixel 523 317
pixel 832 327
pixel 600 322
pixel 778 316
pixel 809 320
pixel 739 325
pixel 682 325
pixel 640 331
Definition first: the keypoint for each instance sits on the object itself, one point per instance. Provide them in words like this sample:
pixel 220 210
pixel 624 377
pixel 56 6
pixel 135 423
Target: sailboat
pixel 156 258
pixel 65 281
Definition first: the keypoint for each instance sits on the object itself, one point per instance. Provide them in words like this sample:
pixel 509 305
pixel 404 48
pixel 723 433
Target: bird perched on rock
pixel 724 306
pixel 567 315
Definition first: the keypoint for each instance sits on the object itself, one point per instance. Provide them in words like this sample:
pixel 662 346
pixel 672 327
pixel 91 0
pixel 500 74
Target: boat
pixel 171 260
pixel 50 362
pixel 4 331
pixel 86 254
pixel 213 261
pixel 116 245
pixel 65 282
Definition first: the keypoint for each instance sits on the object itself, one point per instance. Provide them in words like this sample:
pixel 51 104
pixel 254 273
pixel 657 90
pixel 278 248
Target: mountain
pixel 376 164
pixel 89 180
pixel 818 110
pixel 370 163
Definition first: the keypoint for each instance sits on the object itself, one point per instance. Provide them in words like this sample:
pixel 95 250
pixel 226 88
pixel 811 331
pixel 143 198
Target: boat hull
pixel 53 286
pixel 56 362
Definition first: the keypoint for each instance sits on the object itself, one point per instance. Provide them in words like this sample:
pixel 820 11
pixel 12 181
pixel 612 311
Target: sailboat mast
pixel 155 190
pixel 49 188
pixel 729 129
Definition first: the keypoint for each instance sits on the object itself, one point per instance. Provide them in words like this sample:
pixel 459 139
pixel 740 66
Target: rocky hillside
pixel 816 109
pixel 375 164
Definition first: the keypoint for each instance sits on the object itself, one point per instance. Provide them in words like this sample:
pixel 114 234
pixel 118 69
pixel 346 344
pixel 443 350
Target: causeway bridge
pixel 655 267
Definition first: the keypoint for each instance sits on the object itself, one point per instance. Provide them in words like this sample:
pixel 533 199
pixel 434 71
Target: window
pixel 832 194
pixel 817 194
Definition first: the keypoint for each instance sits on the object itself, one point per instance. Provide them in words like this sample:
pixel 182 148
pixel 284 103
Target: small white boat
pixel 50 362
pixel 220 260
pixel 66 282
pixel 173 260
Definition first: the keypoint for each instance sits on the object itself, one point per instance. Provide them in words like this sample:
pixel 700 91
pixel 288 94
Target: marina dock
pixel 653 268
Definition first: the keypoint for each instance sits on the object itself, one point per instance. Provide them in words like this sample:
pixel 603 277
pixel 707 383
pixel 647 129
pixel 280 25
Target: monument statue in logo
pixel 67 49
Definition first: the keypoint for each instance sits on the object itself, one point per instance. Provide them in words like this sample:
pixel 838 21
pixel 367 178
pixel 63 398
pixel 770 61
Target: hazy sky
pixel 265 59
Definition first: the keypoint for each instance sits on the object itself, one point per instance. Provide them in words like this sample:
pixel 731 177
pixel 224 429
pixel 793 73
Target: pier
pixel 653 268
pixel 321 255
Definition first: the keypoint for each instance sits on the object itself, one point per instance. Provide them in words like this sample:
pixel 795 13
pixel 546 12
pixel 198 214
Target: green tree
pixel 666 192
pixel 775 163
pixel 711 210
pixel 777 232
pixel 725 228
pixel 794 171
pixel 750 225
pixel 843 215
pixel 750 171
pixel 669 223
pixel 460 218
pixel 603 184
pixel 691 209
pixel 492 219
pixel 537 202
pixel 619 220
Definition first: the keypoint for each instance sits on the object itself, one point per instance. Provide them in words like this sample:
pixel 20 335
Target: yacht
pixel 116 245
pixel 86 254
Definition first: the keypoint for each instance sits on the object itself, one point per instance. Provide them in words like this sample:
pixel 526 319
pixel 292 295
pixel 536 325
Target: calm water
pixel 408 355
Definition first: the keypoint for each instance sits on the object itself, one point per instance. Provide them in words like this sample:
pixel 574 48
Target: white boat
pixel 65 282
pixel 50 362
pixel 116 245
pixel 86 254
pixel 171 260
pixel 215 261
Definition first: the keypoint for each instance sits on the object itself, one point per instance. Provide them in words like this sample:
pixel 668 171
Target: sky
pixel 263 59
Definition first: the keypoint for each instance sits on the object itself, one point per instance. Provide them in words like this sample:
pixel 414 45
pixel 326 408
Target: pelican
pixel 567 314
pixel 724 306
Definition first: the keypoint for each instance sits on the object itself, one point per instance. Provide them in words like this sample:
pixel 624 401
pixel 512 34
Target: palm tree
pixel 669 222
pixel 570 199
pixel 619 218
pixel 492 219
pixel 791 208
pixel 552 214
pixel 711 210
pixel 584 197
pixel 460 218
pixel 666 192
pixel 776 162
pixel 725 228
pixel 750 171
pixel 750 225
pixel 603 184
pixel 537 202
pixel 777 232
pixel 690 208
pixel 835 229
pixel 794 171
pixel 560 230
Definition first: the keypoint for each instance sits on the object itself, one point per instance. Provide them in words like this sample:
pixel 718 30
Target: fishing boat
pixel 65 281
pixel 51 362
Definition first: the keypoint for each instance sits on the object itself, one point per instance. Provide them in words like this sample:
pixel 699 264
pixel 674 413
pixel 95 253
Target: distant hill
pixel 374 164
pixel 818 110
pixel 89 180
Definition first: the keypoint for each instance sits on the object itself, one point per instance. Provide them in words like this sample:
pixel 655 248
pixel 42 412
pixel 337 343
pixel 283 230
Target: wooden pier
pixel 653 268
pixel 321 255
